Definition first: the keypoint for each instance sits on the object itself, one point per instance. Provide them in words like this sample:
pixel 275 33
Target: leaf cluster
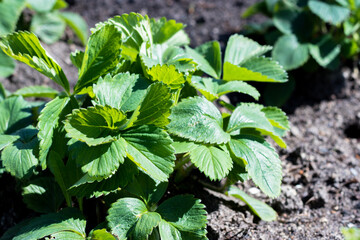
pixel 320 32
pixel 134 120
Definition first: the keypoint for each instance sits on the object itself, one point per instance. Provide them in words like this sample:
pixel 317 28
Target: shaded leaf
pixel 37 91
pixel 41 5
pixel 331 13
pixel 7 64
pixel 77 24
pixel 10 11
pixel 326 52
pixel 5 140
pixel 49 27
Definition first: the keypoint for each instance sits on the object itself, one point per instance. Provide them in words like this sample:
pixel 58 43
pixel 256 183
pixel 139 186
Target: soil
pixel 321 166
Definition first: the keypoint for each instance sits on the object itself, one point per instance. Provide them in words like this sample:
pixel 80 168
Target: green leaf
pixel 77 58
pixel 206 86
pixel 77 24
pixel 149 190
pixel 91 187
pixel 101 234
pixel 7 64
pixel 184 216
pixel 214 162
pixel 240 87
pixel 326 52
pixel 208 57
pixel 261 209
pixel 102 54
pixel 331 13
pixel 239 49
pixel 6 140
pixel 49 27
pixel 18 157
pixel 95 125
pixel 351 233
pixel 15 114
pixel 264 165
pixel 43 195
pixel 289 52
pixel 248 116
pixel 284 20
pixel 41 5
pixel 167 74
pixel 258 7
pixel 160 54
pixel 68 222
pixel 129 218
pixel 150 148
pixel 258 69
pixel 99 161
pixel 3 93
pixel 26 48
pixel 10 11
pixel 60 4
pixel 163 29
pixel 155 107
pixel 49 119
pixel 114 91
pixel 37 91
pixel 277 118
pixel 198 120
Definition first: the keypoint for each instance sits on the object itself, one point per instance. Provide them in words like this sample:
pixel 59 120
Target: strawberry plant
pixel 319 31
pixel 133 124
pixel 47 22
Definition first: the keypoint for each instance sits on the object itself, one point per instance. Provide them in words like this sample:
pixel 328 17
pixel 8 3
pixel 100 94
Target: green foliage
pixel 134 124
pixel 295 26
pixel 47 22
pixel 351 233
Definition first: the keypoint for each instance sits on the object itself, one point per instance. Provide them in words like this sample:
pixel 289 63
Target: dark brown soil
pixel 321 166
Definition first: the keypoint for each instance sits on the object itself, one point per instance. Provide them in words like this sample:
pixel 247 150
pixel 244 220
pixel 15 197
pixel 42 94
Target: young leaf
pixel 77 24
pixel 214 162
pixel 101 234
pixel 95 125
pixel 277 118
pixel 114 91
pixel 208 58
pixel 18 157
pixel 155 107
pixel 129 218
pixel 206 86
pixel 49 120
pixel 99 161
pixel 43 195
pixel 239 49
pixel 49 27
pixel 198 120
pixel 69 222
pixel 331 13
pixel 15 114
pixel 167 74
pixel 25 47
pixel 264 165
pixel 10 11
pixel 7 65
pixel 290 53
pixel 150 148
pixel 326 52
pixel 183 217
pixel 163 29
pixel 258 69
pixel 261 209
pixel 102 54
pixel 37 91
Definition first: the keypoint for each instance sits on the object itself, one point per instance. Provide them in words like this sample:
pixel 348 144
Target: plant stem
pixel 81 204
pixel 182 161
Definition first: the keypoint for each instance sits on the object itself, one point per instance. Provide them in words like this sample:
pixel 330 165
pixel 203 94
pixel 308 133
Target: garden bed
pixel 321 166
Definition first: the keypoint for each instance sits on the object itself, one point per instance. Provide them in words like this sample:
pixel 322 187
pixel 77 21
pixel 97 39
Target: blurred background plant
pixel 45 18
